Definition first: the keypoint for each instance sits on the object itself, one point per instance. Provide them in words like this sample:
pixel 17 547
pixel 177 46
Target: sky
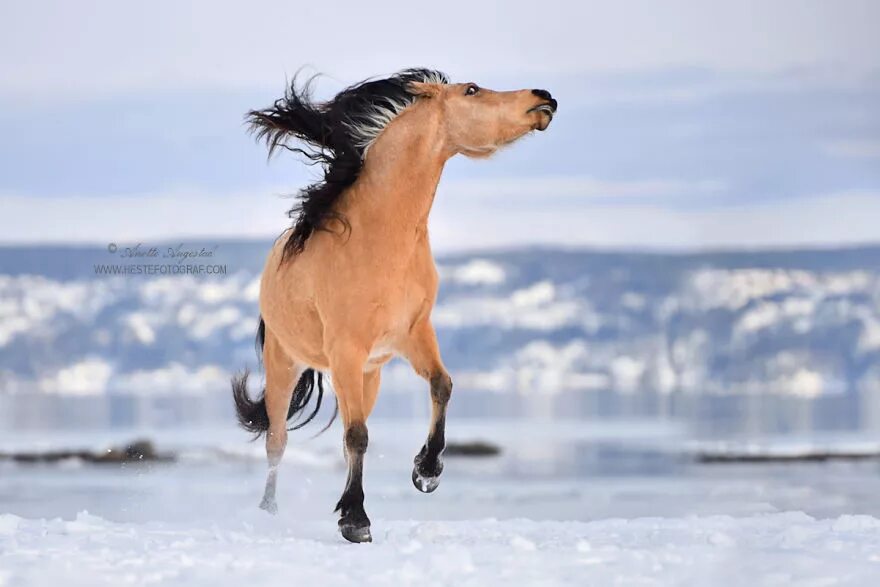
pixel 682 125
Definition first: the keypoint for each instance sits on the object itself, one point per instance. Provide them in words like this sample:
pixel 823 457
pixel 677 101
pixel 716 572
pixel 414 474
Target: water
pixel 703 415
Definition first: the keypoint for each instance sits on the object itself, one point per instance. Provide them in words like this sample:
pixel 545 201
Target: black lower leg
pixel 429 461
pixel 353 521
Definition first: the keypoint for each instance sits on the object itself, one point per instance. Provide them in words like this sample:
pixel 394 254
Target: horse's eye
pixel 472 90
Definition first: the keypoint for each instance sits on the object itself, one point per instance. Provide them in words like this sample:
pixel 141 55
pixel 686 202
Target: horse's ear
pixel 424 90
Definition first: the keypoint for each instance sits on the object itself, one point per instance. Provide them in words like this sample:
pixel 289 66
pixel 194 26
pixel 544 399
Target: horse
pixel 352 282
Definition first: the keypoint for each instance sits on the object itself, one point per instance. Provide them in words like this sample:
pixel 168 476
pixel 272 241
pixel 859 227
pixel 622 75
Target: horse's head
pixel 479 121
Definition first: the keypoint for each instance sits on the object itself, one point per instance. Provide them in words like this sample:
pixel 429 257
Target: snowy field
pixel 568 504
pixel 769 549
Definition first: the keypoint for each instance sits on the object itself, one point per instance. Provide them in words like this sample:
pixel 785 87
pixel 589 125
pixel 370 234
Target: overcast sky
pixel 681 124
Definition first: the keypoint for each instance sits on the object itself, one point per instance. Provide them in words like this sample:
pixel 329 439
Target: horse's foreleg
pixel 281 377
pixel 424 355
pixel 371 389
pixel 347 370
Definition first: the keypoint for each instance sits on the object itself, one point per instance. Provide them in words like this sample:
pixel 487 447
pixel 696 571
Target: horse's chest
pixel 404 307
pixel 411 288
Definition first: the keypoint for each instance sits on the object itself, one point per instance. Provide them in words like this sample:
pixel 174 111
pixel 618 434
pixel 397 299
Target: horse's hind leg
pixel 282 373
pixel 424 355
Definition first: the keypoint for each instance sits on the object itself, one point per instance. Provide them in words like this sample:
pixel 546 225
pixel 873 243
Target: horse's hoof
pixel 356 534
pixel 269 505
pixel 424 484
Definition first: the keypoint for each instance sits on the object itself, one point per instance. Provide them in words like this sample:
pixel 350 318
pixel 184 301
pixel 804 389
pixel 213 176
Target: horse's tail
pixel 252 414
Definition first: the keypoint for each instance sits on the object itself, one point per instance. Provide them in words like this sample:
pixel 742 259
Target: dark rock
pixel 476 448
pixel 138 451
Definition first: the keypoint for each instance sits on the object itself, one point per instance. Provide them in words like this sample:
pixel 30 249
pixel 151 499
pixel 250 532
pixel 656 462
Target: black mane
pixel 335 134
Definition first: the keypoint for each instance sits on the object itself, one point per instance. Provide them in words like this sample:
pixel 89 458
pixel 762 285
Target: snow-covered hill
pixel 804 323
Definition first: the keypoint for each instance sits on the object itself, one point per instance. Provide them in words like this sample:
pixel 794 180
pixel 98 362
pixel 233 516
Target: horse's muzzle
pixel 548 107
pixel 548 111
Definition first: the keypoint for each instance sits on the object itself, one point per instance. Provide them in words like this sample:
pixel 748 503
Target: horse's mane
pixel 335 134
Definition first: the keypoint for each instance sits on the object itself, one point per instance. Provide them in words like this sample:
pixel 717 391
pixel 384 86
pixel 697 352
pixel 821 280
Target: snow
pixel 773 549
pixel 691 328
pixel 95 376
pixel 804 382
pixel 535 307
pixel 542 292
pixel 206 326
pixel 204 379
pixel 734 289
pixel 86 377
pixel 572 503
pixel 475 272
pixel 870 337
pixel 627 372
pixel 139 323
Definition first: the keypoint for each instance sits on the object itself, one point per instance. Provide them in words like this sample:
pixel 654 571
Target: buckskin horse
pixel 352 283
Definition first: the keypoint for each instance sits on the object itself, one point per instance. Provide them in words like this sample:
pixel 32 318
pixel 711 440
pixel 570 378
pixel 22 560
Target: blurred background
pixel 669 302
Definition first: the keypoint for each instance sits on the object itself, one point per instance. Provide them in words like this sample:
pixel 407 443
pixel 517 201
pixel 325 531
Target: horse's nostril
pixel 542 94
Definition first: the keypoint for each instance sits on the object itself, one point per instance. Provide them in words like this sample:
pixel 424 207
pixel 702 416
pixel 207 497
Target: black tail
pixel 252 415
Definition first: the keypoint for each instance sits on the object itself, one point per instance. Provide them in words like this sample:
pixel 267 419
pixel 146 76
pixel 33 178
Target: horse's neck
pixel 395 191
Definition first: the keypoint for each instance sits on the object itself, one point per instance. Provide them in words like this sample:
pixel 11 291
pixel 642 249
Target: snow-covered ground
pixel 771 549
pixel 568 504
